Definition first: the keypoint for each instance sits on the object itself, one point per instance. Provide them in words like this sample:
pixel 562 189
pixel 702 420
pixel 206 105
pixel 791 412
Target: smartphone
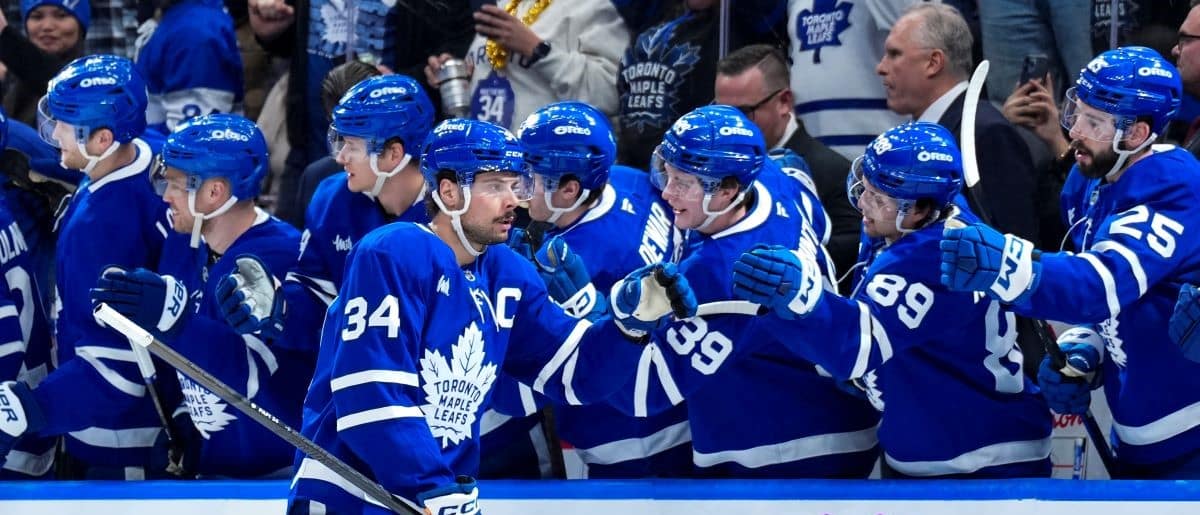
pixel 1035 66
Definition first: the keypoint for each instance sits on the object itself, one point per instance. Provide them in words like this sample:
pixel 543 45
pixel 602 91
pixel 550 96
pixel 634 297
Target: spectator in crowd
pixel 1187 59
pixel 96 397
pixel 1012 29
pixel 1033 105
pixel 114 27
pixel 316 34
pixel 55 29
pixel 1134 205
pixel 834 48
pixel 195 75
pixel 530 53
pixel 926 64
pixel 755 80
pixel 667 71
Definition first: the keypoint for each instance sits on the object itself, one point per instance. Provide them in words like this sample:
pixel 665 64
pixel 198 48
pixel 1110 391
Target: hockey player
pixel 902 337
pixel 1129 221
pixel 210 171
pixel 24 333
pixel 426 317
pixel 610 217
pixel 94 111
pixel 709 165
pixel 191 63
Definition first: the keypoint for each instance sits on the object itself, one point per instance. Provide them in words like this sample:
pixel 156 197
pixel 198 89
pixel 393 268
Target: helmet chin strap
pixel 381 177
pixel 198 219
pixel 902 212
pixel 92 161
pixel 456 219
pixel 557 212
pixel 712 215
pixel 1123 155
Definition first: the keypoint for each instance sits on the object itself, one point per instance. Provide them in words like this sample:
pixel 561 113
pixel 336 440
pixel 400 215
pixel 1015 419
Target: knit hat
pixel 80 9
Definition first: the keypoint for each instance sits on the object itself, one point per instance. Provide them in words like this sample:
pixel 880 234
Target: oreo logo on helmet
pixel 226 134
pixel 1146 71
pixel 97 81
pixel 925 155
pixel 735 131
pixel 571 129
pixel 451 127
pixel 390 90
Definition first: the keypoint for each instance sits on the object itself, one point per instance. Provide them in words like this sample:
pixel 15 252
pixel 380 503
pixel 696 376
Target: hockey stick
pixel 144 339
pixel 971 176
pixel 174 442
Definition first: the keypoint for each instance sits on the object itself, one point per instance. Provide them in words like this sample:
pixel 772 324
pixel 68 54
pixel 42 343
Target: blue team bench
pixel 658 497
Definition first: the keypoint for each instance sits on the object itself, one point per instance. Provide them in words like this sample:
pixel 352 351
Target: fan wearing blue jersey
pixel 210 171
pixel 610 217
pixel 94 111
pixel 741 384
pixel 426 318
pixel 191 63
pixel 24 333
pixel 1130 218
pixel 905 340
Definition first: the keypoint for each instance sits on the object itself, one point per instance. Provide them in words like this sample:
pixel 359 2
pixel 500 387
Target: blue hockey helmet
pixel 711 142
pixel 1126 82
pixel 95 92
pixel 910 162
pixel 225 146
pixel 381 108
pixel 468 147
pixel 569 138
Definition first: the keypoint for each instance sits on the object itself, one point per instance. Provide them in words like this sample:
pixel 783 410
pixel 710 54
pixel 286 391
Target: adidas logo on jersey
pixel 226 134
pixel 571 129
pixel 342 244
pixel 735 131
pixel 925 155
pixel 97 81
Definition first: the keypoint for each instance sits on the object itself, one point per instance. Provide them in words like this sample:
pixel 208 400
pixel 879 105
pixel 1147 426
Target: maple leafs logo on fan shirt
pixel 455 389
pixel 821 26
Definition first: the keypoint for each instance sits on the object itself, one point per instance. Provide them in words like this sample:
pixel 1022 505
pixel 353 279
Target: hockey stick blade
pixel 144 339
pixel 970 106
pixel 668 284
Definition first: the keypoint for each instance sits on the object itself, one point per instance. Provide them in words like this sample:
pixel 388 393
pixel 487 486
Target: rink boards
pixel 658 497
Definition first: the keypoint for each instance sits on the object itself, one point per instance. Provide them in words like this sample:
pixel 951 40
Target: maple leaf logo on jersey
pixel 653 71
pixel 209 413
pixel 454 390
pixel 821 26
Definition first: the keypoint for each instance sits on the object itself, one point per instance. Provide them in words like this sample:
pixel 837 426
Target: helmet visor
pixel 678 183
pixel 162 184
pixel 858 193
pixel 489 184
pixel 1084 121
pixel 349 147
pixel 57 133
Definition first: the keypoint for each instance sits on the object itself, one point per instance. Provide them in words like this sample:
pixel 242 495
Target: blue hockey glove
pixel 157 303
pixel 19 414
pixel 1182 327
pixel 459 498
pixel 642 301
pixel 978 258
pixel 521 242
pixel 567 280
pixel 784 280
pixel 1069 390
pixel 251 299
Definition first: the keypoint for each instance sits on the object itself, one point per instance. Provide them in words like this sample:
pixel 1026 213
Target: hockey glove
pixel 1182 327
pixel 567 280
pixel 19 414
pixel 784 280
pixel 458 498
pixel 978 258
pixel 252 299
pixel 1069 390
pixel 642 301
pixel 521 242
pixel 158 303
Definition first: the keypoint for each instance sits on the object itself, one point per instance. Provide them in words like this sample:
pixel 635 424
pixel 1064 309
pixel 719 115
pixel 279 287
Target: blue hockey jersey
pixel 272 376
pixel 741 383
pixel 945 364
pixel 191 64
pixel 24 339
pixel 97 394
pixel 629 227
pixel 1134 252
pixel 409 352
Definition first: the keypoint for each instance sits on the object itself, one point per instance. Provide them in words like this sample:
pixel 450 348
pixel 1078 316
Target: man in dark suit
pixel 755 79
pixel 925 67
pixel 1187 58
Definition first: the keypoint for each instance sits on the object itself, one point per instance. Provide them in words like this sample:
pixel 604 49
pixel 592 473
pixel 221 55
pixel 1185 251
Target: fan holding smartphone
pixel 1034 67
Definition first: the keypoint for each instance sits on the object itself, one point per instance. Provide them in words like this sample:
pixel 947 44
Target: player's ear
pixel 102 137
pixel 571 188
pixel 394 151
pixel 451 193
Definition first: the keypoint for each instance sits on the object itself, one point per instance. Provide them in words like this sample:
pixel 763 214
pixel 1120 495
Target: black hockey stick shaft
pixel 668 283
pixel 975 190
pixel 141 337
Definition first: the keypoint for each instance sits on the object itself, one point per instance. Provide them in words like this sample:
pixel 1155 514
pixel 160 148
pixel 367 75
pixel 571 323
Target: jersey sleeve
pixel 197 76
pixel 12 341
pixel 375 381
pixel 1133 251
